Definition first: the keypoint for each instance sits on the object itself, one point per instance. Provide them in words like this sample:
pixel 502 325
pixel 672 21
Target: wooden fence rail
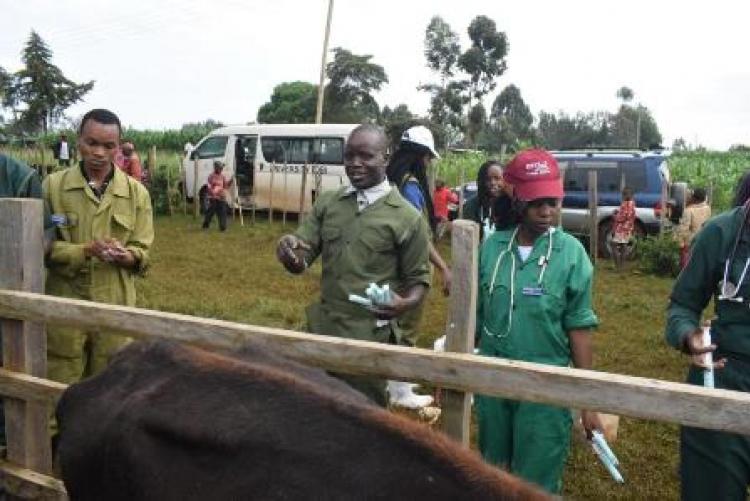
pixel 627 395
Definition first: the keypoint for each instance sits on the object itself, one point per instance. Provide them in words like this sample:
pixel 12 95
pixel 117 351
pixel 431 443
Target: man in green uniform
pixel 713 464
pixel 534 305
pixel 105 229
pixel 365 233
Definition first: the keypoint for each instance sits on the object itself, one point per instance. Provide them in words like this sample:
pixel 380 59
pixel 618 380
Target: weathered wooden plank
pixel 29 484
pixel 626 395
pixel 456 406
pixel 31 388
pixel 24 342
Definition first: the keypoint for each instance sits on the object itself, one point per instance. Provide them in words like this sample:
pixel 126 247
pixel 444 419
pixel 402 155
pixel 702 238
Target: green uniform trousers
pixel 528 439
pixel 714 464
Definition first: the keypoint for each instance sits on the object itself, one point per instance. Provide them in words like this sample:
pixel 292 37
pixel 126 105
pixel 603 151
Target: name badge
pixel 533 291
pixel 59 219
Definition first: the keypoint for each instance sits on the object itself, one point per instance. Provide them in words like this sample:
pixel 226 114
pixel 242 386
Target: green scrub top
pixel 701 280
pixel 519 317
pixel 386 243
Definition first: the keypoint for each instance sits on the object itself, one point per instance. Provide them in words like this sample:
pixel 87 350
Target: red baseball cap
pixel 534 174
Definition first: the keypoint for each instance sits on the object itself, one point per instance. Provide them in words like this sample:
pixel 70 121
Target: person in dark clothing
pixel 407 170
pixel 63 151
pixel 491 204
pixel 742 192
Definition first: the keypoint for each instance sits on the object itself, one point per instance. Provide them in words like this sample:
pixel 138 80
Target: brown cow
pixel 166 421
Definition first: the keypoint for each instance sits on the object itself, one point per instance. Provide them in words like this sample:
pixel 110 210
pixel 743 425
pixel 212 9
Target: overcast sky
pixel 162 63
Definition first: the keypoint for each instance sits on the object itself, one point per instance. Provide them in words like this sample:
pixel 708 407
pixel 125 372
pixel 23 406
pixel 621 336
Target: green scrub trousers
pixel 528 439
pixel 715 464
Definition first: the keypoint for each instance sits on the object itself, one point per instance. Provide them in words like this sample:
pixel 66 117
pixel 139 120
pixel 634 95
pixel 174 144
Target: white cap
pixel 421 135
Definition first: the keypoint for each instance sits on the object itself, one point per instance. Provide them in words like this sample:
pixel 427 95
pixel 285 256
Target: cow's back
pixel 165 421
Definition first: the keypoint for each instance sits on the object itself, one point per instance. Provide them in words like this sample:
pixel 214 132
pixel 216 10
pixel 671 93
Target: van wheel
pixel 606 244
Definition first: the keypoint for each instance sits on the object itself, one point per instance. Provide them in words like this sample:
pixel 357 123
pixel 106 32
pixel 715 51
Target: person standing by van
pixel 364 233
pixel 216 194
pixel 535 284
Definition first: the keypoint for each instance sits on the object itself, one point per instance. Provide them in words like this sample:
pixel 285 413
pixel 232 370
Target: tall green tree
pixel 442 51
pixel 484 61
pixel 352 80
pixel 40 92
pixel 625 94
pixel 291 102
pixel 510 119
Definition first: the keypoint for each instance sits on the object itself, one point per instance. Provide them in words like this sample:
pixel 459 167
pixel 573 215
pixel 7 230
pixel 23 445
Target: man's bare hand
pixel 290 252
pixel 694 347
pixel 396 308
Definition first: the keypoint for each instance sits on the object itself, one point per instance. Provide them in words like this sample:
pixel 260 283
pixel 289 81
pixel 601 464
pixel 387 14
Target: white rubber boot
pixel 402 394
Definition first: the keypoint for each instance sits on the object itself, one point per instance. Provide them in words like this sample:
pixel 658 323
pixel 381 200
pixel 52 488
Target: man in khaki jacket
pixel 104 231
pixel 693 218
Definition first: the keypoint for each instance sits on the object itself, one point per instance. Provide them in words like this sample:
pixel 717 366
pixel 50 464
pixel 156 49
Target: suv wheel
pixel 678 193
pixel 605 239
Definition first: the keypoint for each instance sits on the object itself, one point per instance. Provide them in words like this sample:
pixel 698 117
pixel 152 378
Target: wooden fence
pixel 24 311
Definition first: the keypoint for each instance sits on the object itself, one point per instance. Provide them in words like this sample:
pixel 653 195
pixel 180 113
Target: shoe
pixel 401 394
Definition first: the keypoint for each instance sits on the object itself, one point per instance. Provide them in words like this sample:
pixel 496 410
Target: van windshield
pixel 212 147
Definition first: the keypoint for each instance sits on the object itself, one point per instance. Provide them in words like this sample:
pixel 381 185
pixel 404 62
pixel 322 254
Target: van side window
pixel 212 147
pixel 329 150
pixel 291 150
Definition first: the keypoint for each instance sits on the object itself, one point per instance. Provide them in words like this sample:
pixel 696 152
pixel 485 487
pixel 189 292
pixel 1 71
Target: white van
pixel 271 162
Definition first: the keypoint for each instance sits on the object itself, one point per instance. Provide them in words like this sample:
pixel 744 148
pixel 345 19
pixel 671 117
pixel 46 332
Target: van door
pixel 245 147
pixel 208 150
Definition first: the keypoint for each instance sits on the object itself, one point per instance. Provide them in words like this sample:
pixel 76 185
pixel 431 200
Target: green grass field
pixel 235 276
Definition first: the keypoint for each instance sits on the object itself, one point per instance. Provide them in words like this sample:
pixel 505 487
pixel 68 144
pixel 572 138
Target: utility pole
pixel 319 110
pixel 638 128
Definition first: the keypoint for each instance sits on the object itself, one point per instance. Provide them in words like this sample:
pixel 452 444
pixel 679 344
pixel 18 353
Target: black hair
pixel 506 212
pixel 699 195
pixel 742 192
pixel 482 179
pixel 627 193
pixel 372 129
pixel 408 161
pixel 101 116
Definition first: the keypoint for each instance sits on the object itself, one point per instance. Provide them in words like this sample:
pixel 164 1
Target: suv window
pixel 212 147
pixel 609 175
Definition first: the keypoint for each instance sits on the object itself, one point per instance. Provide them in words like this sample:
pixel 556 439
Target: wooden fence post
pixel 593 216
pixel 461 193
pixel 285 198
pixel 302 194
pixel 270 193
pixel 24 343
pixel 196 198
pixel 456 415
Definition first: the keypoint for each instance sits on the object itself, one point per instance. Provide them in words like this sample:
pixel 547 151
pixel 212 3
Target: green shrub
pixel 659 255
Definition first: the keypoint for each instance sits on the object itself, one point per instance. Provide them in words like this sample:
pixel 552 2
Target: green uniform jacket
pixel 124 213
pixel 700 281
pixel 386 243
pixel 539 322
pixel 18 180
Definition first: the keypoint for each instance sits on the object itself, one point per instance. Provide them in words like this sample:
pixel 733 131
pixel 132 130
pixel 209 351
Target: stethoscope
pixel 728 291
pixel 543 263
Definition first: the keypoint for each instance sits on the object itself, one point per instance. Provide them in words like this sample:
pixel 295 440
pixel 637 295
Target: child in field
pixel 442 198
pixel 623 228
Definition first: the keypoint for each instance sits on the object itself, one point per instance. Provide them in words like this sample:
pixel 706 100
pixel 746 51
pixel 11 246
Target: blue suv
pixel 645 172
